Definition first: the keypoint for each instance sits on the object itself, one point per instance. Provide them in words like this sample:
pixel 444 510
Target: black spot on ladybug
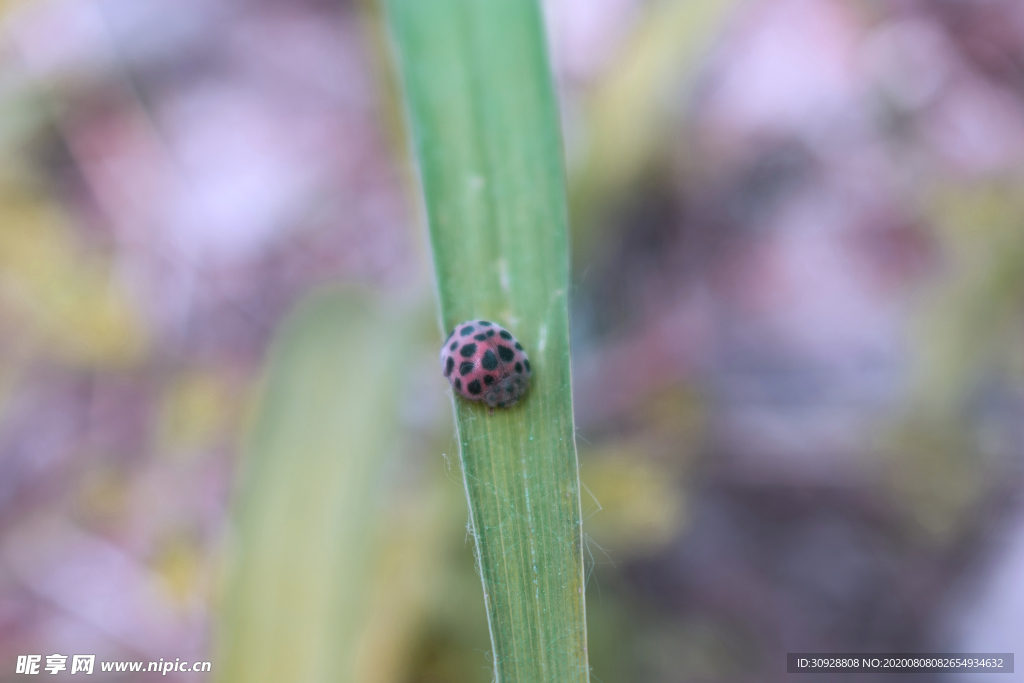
pixel 458 383
pixel 465 367
pixel 468 329
pixel 488 380
pixel 506 353
pixel 484 323
pixel 448 366
pixel 519 347
pixel 489 361
pixel 505 334
pixel 519 366
pixel 454 345
pixel 474 387
pixel 526 364
pixel 490 333
pixel 469 349
pixel 480 337
pixel 501 404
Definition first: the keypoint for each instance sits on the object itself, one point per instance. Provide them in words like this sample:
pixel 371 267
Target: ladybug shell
pixel 484 362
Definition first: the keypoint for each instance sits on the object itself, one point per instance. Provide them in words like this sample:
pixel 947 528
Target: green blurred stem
pixel 301 560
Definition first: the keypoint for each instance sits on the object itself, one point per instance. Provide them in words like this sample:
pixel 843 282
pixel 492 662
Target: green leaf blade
pixel 485 127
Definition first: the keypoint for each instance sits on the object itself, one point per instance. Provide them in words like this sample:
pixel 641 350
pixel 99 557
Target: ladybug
pixel 483 361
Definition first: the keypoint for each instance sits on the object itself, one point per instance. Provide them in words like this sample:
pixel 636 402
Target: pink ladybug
pixel 483 361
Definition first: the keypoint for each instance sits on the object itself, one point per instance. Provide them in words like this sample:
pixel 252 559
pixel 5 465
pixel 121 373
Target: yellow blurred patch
pixel 677 412
pixel 7 6
pixel 634 504
pixel 936 474
pixel 178 564
pixel 65 295
pixel 102 497
pixel 195 410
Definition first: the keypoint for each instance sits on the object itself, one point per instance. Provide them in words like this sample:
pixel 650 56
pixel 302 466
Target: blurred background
pixel 797 317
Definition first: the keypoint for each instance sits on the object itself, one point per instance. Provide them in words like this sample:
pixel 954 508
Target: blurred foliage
pixel 937 473
pixel 974 325
pixel 632 112
pixel 296 595
pixel 970 336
